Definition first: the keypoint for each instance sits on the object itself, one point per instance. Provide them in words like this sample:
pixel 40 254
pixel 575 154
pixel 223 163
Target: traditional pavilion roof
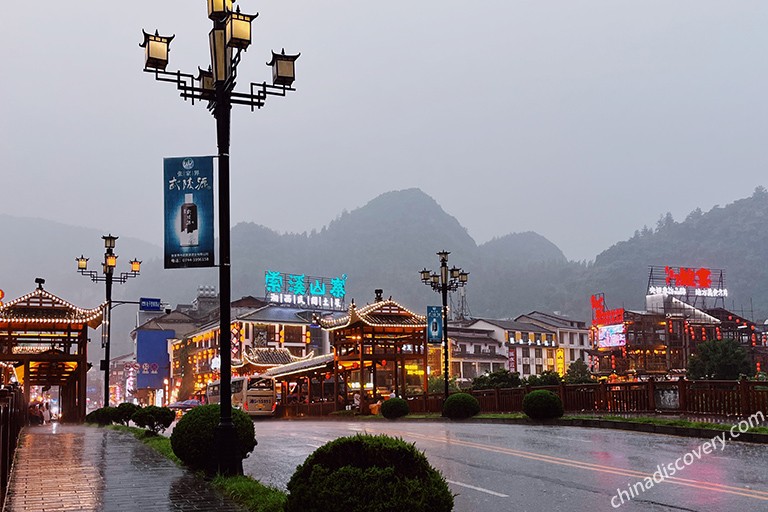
pixel 262 356
pixel 42 307
pixel 313 363
pixel 384 313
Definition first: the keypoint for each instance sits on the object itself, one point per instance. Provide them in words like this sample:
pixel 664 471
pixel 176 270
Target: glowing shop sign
pixel 306 291
pixel 686 282
pixel 602 316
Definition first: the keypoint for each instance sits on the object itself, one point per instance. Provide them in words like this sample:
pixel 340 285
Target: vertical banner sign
pixel 434 324
pixel 512 359
pixel 560 361
pixel 188 184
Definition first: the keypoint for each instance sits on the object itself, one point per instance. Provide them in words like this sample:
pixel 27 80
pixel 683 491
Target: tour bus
pixel 254 394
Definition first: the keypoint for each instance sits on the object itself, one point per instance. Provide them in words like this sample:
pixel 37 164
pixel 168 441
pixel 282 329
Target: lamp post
pixel 108 276
pixel 230 35
pixel 447 280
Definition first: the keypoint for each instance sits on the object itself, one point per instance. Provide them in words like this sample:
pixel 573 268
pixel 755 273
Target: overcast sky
pixel 580 120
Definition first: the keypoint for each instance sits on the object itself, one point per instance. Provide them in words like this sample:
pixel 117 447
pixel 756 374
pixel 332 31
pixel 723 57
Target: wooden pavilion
pixel 46 339
pixel 379 348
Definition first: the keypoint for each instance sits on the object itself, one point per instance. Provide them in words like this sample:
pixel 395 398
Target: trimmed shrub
pixel 125 412
pixel 542 404
pixel 367 473
pixel 104 416
pixel 460 406
pixel 153 418
pixel 394 408
pixel 192 437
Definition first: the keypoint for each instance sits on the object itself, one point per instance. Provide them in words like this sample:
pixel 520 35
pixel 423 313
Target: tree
pixel 719 360
pixel 501 378
pixel 436 384
pixel 578 373
pixel 545 378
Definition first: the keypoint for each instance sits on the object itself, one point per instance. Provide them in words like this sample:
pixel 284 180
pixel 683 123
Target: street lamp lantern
pixel 447 280
pixel 108 277
pixel 156 48
pixel 221 55
pixel 238 29
pixel 205 77
pixel 218 9
pixel 283 68
pixel 109 241
pixel 110 260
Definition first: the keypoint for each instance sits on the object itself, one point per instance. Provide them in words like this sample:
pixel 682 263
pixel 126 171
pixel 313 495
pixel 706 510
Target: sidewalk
pixel 84 469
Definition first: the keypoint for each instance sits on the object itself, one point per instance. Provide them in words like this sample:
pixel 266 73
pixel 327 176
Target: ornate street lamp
pixel 447 280
pixel 230 35
pixel 108 277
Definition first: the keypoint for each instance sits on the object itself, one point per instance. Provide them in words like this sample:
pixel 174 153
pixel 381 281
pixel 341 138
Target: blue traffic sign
pixel 146 304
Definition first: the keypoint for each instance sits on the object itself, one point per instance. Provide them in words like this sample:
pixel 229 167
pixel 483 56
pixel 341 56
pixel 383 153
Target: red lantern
pixel 383 362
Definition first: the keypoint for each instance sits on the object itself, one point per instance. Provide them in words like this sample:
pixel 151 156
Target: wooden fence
pixel 13 415
pixel 706 398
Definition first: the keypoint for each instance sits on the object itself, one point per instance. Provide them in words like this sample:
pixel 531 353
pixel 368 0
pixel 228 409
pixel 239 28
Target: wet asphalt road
pixel 493 467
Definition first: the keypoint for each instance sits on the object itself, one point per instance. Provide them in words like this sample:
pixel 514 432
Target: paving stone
pixel 74 468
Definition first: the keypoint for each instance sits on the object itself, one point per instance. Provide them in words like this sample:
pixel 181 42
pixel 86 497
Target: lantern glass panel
pixel 82 263
pixel 135 266
pixel 238 31
pixel 283 71
pixel 219 8
pixel 221 55
pixel 111 260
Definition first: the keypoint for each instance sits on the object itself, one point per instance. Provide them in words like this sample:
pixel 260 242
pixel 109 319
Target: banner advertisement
pixel 188 196
pixel 434 324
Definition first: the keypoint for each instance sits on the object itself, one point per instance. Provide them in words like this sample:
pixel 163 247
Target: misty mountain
pixel 385 243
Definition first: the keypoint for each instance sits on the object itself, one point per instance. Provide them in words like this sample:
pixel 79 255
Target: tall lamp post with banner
pixel 447 280
pixel 108 277
pixel 230 35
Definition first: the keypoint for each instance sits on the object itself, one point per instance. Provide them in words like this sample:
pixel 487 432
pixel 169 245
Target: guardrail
pixel 706 398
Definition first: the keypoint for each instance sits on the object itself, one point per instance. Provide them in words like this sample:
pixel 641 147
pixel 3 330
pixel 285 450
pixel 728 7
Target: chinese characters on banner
pixel 685 281
pixel 306 291
pixel 512 359
pixel 188 198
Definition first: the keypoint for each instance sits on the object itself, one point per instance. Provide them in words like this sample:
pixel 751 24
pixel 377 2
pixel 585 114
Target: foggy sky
pixel 582 121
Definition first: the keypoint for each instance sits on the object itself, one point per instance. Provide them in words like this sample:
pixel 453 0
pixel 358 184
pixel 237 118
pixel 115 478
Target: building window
pixel 572 354
pixel 478 349
pixel 492 349
pixel 539 369
pixel 526 352
pixel 537 351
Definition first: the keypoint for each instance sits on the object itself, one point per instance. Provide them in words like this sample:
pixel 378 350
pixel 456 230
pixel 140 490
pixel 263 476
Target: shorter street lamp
pixel 108 277
pixel 447 280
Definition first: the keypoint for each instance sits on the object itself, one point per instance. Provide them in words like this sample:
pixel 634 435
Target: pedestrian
pixel 46 414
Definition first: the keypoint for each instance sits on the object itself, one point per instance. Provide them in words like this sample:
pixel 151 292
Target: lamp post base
pixel 227 462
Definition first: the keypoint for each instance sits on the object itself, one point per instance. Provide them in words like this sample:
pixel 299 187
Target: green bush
pixel 125 412
pixel 103 416
pixel 394 408
pixel 367 473
pixel 192 437
pixel 460 406
pixel 153 418
pixel 542 404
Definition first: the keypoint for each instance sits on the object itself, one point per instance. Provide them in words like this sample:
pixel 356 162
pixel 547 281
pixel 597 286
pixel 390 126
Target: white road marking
pixel 493 493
